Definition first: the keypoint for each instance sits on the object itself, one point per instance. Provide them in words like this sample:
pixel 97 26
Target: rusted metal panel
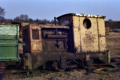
pixel 32 39
pixel 54 39
pixel 36 42
pixel 53 26
pixel 26 39
pixel 89 37
pixel 102 38
pixel 57 36
pixel 76 33
pixel 52 45
pixel 86 40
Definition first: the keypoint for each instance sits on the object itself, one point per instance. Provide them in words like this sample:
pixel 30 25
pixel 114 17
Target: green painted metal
pixel 9 31
pixel 9 35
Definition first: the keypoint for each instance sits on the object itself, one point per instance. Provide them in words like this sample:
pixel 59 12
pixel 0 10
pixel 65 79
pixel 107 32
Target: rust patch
pixel 89 38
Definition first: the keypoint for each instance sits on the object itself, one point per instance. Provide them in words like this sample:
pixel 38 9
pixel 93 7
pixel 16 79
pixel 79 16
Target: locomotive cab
pixel 88 34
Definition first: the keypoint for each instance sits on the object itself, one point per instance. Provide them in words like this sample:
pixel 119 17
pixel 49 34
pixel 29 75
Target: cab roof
pixel 81 15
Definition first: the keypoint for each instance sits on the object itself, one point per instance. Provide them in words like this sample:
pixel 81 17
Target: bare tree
pixel 22 17
pixel 2 13
pixel 43 21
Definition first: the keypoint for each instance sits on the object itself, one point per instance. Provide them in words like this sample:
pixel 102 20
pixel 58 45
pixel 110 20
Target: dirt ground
pixel 70 75
pixel 108 73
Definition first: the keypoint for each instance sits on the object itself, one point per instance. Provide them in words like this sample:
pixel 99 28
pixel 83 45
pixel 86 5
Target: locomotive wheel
pixel 27 62
pixel 108 60
pixel 81 64
pixel 88 64
pixel 55 66
pixel 63 63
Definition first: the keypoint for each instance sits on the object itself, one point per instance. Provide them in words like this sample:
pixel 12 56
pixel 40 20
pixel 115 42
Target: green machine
pixel 9 36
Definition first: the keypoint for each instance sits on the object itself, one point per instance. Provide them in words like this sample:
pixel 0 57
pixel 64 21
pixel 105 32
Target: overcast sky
pixel 47 9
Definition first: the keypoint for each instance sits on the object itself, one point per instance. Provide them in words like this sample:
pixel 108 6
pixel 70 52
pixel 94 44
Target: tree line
pixel 23 18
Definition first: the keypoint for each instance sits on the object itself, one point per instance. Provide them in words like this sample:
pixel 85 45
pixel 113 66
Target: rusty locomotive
pixel 78 40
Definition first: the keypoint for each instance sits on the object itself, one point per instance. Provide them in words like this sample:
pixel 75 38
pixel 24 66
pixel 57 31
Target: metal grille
pixel 35 34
